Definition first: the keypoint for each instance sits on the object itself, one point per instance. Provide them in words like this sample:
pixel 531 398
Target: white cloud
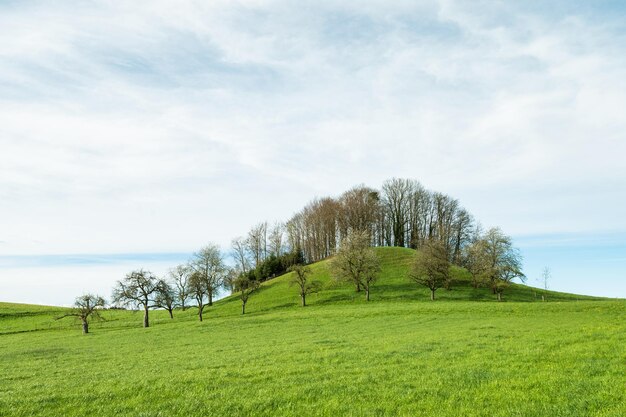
pixel 142 126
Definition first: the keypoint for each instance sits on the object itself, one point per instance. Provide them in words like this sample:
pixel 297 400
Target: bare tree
pixel 396 200
pixel 276 243
pixel 431 268
pixel 545 277
pixel 137 289
pixel 86 307
pixel 198 290
pixel 359 208
pixel 179 276
pixel 301 279
pixel 165 297
pixel 256 243
pixel 209 263
pixel 356 262
pixel 238 251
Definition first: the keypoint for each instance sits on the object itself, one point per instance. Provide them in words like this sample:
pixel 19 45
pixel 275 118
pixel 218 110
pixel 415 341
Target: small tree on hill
pixel 476 263
pixel 209 263
pixel 497 261
pixel 241 283
pixel 545 277
pixel 431 268
pixel 180 278
pixel 165 297
pixel 86 307
pixel 137 289
pixel 301 279
pixel 509 272
pixel 356 262
pixel 198 290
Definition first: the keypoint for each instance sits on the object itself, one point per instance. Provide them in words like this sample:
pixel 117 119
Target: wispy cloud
pixel 153 127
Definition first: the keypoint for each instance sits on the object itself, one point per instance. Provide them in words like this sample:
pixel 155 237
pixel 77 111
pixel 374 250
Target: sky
pixel 132 133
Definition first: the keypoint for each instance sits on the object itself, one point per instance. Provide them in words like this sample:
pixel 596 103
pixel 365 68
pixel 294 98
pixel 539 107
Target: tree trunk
pixel 543 298
pixel 170 310
pixel 358 287
pixel 85 327
pixel 499 296
pixel 303 299
pixel 243 307
pixel 200 313
pixel 367 294
pixel 432 295
pixel 210 298
pixel 146 322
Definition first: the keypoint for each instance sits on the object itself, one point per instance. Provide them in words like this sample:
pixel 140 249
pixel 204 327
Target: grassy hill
pixel 399 354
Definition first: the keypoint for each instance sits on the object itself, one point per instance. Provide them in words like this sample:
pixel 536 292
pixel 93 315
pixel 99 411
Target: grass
pixel 400 354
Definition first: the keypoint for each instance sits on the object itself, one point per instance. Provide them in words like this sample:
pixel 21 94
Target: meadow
pixel 399 354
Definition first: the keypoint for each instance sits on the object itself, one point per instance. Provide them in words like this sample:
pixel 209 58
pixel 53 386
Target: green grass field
pixel 399 354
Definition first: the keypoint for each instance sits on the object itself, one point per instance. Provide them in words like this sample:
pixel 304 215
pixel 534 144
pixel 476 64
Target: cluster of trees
pixel 490 259
pixel 402 213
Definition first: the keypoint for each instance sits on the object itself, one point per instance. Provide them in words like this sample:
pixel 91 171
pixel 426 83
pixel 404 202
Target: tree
pixel 498 261
pixel 86 307
pixel 276 244
pixel 241 283
pixel 198 290
pixel 510 270
pixel 477 263
pixel 180 278
pixel 431 268
pixel 165 297
pixel 238 252
pixel 137 289
pixel 301 279
pixel 209 263
pixel 545 277
pixel 256 243
pixel 356 262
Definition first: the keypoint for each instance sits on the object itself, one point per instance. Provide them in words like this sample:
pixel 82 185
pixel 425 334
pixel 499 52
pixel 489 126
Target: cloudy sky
pixel 153 127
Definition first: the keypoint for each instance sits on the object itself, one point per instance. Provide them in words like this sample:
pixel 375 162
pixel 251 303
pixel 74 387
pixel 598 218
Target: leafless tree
pixel 165 297
pixel 208 262
pixel 431 268
pixel 198 290
pixel 179 276
pixel 137 289
pixel 86 307
pixel 239 253
pixel 276 241
pixel 256 243
pixel 396 199
pixel 545 277
pixel 300 278
pixel 359 208
pixel 356 262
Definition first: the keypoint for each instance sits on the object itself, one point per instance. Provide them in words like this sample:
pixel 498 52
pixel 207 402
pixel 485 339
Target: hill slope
pixel 399 354
pixel 392 285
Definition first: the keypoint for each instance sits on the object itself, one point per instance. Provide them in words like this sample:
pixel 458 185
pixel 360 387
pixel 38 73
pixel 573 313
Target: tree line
pixel 402 213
